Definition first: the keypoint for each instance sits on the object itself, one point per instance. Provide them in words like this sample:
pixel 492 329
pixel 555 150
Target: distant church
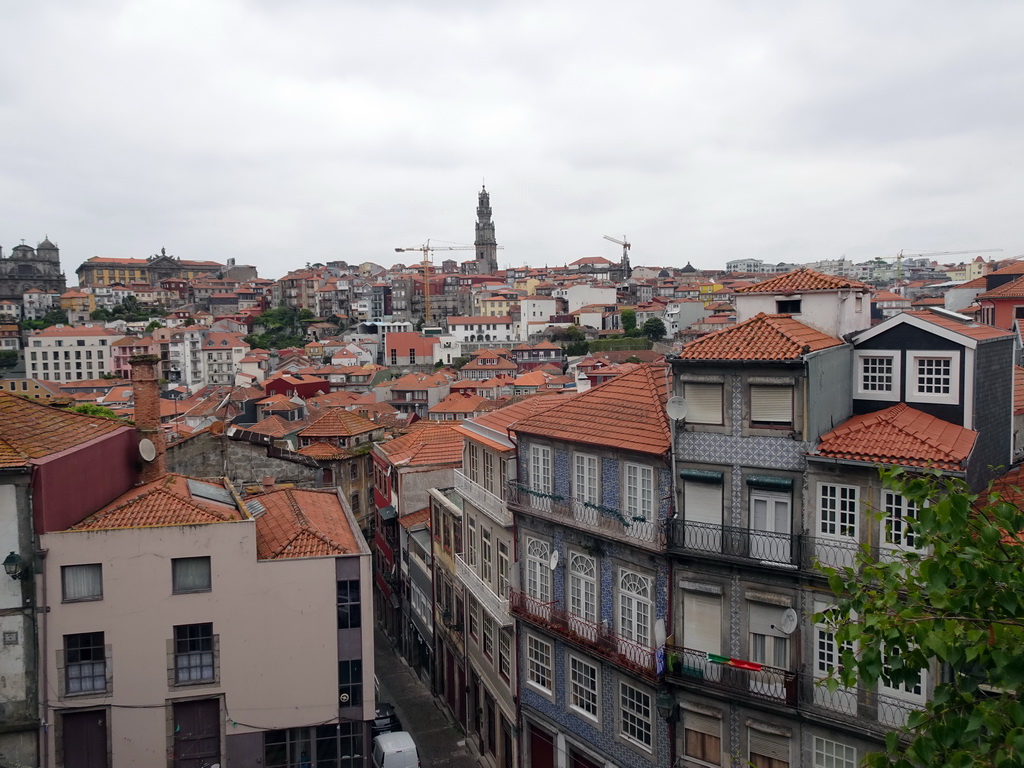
pixel 486 245
pixel 29 268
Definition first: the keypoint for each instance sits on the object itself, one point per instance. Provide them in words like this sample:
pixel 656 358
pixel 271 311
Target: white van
pixel 395 750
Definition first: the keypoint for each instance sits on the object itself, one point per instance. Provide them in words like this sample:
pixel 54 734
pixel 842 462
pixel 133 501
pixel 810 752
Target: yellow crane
pixel 898 258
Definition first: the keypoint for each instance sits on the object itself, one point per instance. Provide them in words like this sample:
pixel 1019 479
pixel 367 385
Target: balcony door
pixel 770 527
pixel 702 506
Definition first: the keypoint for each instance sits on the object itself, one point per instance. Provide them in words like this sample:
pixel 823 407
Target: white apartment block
pixel 70 353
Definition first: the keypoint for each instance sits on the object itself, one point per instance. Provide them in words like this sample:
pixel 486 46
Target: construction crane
pixel 426 249
pixel 898 258
pixel 623 242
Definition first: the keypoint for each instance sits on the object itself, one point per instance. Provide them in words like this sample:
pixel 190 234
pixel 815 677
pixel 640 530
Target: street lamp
pixel 14 567
pixel 666 705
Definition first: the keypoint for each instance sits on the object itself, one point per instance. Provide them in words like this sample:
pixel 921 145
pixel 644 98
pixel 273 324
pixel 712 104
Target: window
pixel 82 582
pixel 635 607
pixel 488 635
pixel 768 644
pixel 771 406
pixel 502 570
pixel 899 515
pixel 538 663
pixel 489 479
pixel 504 654
pixel 912 689
pixel 538 575
pixel 474 463
pixel 635 715
pixel 876 374
pixel 474 628
pixel 540 468
pixel 833 754
pixel 193 654
pixel 350 682
pixel 787 306
pixel 472 541
pixel 702 737
pixel 583 586
pixel 190 574
pixel 583 687
pixel 704 401
pixel 639 493
pixel 85 663
pixel 349 608
pixel 486 563
pixel 767 750
pixel 934 375
pixel 838 510
pixel 585 478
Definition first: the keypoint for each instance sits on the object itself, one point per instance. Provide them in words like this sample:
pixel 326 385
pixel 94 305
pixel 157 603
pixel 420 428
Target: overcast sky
pixel 280 132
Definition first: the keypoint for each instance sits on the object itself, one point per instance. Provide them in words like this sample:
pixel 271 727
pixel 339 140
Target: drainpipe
pixel 42 609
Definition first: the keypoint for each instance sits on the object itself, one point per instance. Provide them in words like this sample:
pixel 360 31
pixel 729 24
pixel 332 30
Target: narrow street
pixel 439 742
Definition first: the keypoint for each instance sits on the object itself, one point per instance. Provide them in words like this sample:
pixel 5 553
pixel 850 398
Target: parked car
pixel 395 750
pixel 385 720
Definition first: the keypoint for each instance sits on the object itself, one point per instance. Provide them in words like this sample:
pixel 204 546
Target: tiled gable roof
pixel 275 426
pixel 627 413
pixel 164 502
pixel 436 442
pixel 337 422
pixel 324 450
pixel 800 280
pixel 1011 290
pixel 899 435
pixel 30 430
pixel 762 337
pixel 302 523
pixel 971 329
pixel 459 403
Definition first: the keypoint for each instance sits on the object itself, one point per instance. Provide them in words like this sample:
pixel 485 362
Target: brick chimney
pixel 146 392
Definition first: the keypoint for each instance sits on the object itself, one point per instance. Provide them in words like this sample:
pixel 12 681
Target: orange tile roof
pixel 415 518
pixel 627 413
pixel 31 430
pixel 1013 289
pixel 435 442
pixel 302 523
pixel 899 435
pixel 800 280
pixel 971 329
pixel 337 422
pixel 275 426
pixel 76 330
pixel 324 450
pixel 163 502
pixel 1013 268
pixel 762 337
pixel 459 403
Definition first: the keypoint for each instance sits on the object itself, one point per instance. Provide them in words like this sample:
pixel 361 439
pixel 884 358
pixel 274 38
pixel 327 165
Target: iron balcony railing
pixel 595 518
pixel 615 647
pixel 496 606
pixel 767 547
pixel 685 665
pixel 487 502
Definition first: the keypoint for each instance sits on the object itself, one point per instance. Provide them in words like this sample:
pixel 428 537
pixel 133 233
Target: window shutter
pixel 771 405
pixel 702 503
pixel 705 403
pixel 761 617
pixel 769 745
pixel 703 723
pixel 702 622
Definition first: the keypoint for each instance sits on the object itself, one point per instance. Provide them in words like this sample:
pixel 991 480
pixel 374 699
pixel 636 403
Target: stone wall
pixel 207 455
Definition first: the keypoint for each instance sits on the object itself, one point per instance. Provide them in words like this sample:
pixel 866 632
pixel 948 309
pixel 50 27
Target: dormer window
pixel 787 306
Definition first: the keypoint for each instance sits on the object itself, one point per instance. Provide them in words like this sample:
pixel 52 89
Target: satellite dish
pixel 146 449
pixel 676 408
pixel 343 698
pixel 553 562
pixel 788 622
pixel 659 633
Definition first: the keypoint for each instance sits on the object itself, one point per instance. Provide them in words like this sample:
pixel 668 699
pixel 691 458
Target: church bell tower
pixel 486 245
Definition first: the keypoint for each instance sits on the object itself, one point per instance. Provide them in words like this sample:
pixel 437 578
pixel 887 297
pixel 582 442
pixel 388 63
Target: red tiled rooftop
pixel 459 403
pixel 1013 289
pixel 899 435
pixel 627 413
pixel 800 280
pixel 337 422
pixel 302 523
pixel 435 442
pixel 762 337
pixel 420 516
pixel 971 329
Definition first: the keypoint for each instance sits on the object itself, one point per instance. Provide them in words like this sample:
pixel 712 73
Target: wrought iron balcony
pixel 598 640
pixel 496 606
pixel 610 523
pixel 781 550
pixel 685 666
pixel 487 502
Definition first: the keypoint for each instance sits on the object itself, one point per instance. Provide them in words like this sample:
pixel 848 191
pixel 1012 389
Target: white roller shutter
pixel 702 622
pixel 771 405
pixel 702 503
pixel 704 401
pixel 768 745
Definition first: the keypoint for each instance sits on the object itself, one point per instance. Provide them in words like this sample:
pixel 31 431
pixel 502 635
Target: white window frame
pixel 706 402
pixel 763 406
pixel 836 519
pixel 471 550
pixel 502 570
pixel 834 754
pixel 540 668
pixel 901 691
pixel 897 509
pixel 586 478
pixel 639 489
pixel 635 616
pixel 540 469
pixel 914 393
pixel 584 683
pixel 538 575
pixel 636 716
pixel 486 555
pixel 505 654
pixel 581 587
pixel 891 394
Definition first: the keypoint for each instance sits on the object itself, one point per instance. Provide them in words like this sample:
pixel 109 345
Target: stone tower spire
pixel 486 245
